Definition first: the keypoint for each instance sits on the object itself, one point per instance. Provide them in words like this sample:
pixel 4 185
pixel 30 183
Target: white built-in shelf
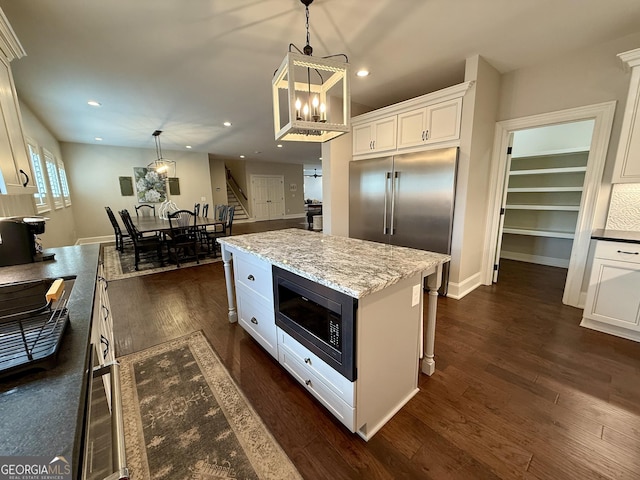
pixel 538 233
pixel 553 208
pixel 545 171
pixel 544 189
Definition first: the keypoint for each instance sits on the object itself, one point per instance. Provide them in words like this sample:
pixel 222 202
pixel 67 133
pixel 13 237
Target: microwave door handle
pixel 387 178
pixel 393 200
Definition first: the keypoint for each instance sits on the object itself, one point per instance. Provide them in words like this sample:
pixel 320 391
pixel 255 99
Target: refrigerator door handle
pixel 387 177
pixel 393 200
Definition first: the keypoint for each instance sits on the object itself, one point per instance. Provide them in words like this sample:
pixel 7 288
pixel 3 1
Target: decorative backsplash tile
pixel 624 209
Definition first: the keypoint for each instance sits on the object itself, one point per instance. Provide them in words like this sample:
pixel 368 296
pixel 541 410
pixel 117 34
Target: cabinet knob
pixel 627 253
pixel 254 320
pixel 307 360
pixel 251 277
pixel 308 383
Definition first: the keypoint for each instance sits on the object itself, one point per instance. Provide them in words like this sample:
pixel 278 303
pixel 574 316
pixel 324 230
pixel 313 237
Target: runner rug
pixel 119 265
pixel 185 418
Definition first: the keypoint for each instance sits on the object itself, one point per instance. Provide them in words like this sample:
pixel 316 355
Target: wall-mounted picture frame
pixel 150 187
pixel 174 186
pixel 126 186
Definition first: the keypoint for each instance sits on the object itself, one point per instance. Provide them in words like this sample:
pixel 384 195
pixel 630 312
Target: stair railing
pixel 237 190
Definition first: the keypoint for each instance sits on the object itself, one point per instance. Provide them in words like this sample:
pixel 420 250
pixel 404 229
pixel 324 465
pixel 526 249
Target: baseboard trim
pixel 461 289
pixel 89 240
pixel 539 259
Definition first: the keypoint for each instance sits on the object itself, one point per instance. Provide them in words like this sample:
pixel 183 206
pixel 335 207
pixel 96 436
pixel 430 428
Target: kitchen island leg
pixel 433 283
pixel 228 277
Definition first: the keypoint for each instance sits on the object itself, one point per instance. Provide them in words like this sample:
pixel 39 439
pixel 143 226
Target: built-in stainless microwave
pixel 318 317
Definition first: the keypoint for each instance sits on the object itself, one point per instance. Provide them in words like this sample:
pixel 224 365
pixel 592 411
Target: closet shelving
pixel 542 205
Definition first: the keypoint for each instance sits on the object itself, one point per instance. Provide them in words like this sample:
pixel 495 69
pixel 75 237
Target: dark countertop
pixel 616 235
pixel 43 411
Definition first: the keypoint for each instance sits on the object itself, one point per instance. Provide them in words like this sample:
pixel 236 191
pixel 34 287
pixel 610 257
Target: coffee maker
pixel 18 240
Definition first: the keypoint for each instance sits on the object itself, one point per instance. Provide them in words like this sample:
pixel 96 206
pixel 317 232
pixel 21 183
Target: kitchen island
pixel 43 411
pixel 386 285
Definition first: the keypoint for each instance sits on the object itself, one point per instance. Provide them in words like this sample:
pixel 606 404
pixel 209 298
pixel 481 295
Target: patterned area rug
pixel 122 265
pixel 186 419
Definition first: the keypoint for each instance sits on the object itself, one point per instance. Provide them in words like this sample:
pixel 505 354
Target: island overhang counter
pixel 385 284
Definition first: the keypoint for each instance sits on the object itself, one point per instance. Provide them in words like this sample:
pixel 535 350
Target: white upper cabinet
pixel 376 136
pixel 411 125
pixel 431 124
pixel 16 175
pixel 627 166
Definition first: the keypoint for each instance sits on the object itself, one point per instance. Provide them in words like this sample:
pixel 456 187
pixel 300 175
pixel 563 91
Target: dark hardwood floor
pixel 520 389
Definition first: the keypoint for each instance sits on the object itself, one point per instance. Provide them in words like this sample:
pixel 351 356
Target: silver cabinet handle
pixel 393 201
pixel 387 177
pixel 308 383
pixel 251 277
pixel 627 253
pixel 254 320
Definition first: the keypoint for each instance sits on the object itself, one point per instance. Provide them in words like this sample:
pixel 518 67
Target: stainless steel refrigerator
pixel 405 200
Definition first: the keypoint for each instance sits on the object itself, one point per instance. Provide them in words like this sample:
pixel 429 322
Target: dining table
pixel 148 224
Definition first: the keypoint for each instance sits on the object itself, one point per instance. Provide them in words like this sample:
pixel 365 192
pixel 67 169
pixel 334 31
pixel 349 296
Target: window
pixel 54 180
pixel 64 183
pixel 41 197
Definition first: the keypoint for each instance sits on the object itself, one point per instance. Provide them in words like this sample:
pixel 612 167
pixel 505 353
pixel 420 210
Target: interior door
pixel 268 196
pixel 503 206
pixel 276 197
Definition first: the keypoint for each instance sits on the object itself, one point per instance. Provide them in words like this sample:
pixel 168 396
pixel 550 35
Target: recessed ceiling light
pixel 279 145
pixel 188 146
pixel 227 124
pixel 362 73
pixel 98 139
pixel 241 156
pixel 93 103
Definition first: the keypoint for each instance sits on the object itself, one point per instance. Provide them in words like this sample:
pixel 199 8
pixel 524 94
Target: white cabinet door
pixel 432 124
pixel 15 167
pixel 627 166
pixel 376 136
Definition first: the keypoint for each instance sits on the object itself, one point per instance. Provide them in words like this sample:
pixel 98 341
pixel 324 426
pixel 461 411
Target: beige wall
pixel 218 183
pixel 94 172
pixel 60 230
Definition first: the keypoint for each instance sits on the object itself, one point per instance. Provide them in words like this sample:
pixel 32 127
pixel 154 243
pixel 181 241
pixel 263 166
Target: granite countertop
pixel 352 266
pixel 42 411
pixel 616 235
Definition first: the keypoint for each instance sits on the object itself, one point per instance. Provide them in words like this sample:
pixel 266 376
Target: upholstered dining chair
pixel 140 243
pixel 183 238
pixel 120 236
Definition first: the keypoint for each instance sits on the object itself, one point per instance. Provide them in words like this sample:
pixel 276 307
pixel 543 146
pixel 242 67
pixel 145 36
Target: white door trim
pixel 602 113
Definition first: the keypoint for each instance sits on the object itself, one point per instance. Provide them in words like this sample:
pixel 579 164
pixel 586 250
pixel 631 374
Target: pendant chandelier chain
pixel 307 24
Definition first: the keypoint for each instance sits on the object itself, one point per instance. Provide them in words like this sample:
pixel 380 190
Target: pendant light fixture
pixel 311 95
pixel 162 166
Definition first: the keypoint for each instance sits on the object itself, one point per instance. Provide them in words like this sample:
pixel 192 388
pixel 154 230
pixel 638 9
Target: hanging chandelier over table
pixel 162 166
pixel 311 95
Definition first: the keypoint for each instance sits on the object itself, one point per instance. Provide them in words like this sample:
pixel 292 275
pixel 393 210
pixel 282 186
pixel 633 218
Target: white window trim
pixel 39 172
pixel 62 172
pixel 58 202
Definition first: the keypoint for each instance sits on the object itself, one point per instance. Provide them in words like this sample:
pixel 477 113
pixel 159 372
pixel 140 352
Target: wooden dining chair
pixel 120 236
pixel 145 210
pixel 141 243
pixel 183 239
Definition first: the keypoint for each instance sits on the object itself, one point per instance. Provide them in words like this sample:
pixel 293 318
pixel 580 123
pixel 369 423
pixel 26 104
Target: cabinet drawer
pixel 300 371
pixel 339 385
pixel 257 317
pixel 254 273
pixel 620 251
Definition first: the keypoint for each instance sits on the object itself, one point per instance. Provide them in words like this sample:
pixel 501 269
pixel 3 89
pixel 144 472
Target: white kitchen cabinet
pixel 375 136
pixel 627 166
pixel 613 302
pixel 431 124
pixel 432 119
pixel 254 295
pixel 16 176
pixel 102 328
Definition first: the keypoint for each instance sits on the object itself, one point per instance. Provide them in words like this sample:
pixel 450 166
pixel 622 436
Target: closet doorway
pixel 267 192
pixel 546 182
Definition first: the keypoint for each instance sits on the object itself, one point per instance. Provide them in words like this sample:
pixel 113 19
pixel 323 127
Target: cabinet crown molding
pixel 9 43
pixel 630 58
pixel 443 95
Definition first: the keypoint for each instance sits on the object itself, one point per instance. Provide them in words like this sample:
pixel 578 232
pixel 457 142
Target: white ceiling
pixel 185 66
